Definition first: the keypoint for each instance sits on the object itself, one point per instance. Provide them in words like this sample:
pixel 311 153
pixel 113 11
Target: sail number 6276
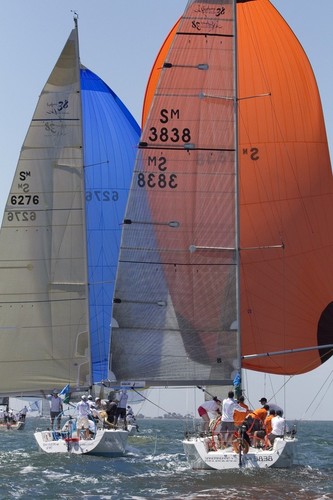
pixel 24 199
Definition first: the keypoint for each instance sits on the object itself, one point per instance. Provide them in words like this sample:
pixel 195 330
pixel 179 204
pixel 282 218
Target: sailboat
pixel 10 420
pixel 59 243
pixel 226 259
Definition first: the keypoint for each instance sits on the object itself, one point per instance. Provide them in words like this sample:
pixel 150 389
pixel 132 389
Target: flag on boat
pixel 65 392
pixel 237 380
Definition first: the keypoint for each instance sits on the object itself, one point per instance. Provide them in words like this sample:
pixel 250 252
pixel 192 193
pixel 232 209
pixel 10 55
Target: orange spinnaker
pixel 285 198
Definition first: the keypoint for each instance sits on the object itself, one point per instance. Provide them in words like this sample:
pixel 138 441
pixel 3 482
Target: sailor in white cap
pixel 83 410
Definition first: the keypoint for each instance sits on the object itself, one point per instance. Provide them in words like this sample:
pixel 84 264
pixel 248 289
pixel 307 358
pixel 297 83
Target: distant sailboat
pixel 10 420
pixel 226 259
pixel 60 239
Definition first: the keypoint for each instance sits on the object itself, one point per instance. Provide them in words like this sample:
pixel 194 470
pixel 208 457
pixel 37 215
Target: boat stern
pixel 203 453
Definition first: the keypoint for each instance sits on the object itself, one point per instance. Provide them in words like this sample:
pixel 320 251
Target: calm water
pixel 155 468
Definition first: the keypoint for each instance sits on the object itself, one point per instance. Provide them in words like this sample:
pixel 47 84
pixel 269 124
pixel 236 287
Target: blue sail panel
pixel 110 138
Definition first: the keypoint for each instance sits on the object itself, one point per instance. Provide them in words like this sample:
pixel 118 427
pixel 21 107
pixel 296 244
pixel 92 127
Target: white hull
pixel 111 443
pixel 200 457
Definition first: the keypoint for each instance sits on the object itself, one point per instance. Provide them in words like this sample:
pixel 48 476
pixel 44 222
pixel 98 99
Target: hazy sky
pixel 119 41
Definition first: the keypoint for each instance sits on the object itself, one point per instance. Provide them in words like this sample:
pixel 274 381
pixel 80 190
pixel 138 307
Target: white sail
pixel 43 285
pixel 60 233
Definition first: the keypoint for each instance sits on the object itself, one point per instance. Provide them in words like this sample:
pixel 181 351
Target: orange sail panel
pixel 286 197
pixel 182 213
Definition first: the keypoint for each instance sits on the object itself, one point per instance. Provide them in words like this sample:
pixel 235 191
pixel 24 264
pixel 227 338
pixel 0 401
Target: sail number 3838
pixel 157 180
pixel 158 177
pixel 173 135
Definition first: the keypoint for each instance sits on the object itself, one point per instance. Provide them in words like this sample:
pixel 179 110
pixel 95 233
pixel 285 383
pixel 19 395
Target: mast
pixel 85 250
pixel 237 216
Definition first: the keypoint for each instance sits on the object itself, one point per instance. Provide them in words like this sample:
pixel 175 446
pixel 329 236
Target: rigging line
pixel 284 311
pixel 323 395
pixel 150 401
pixel 276 392
pixel 139 409
pixel 204 390
pixel 314 399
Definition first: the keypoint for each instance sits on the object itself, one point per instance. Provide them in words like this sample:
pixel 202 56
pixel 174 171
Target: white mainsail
pixel 43 282
pixel 60 233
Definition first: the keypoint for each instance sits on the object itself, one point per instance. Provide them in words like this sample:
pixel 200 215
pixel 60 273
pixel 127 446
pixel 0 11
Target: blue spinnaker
pixel 110 138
